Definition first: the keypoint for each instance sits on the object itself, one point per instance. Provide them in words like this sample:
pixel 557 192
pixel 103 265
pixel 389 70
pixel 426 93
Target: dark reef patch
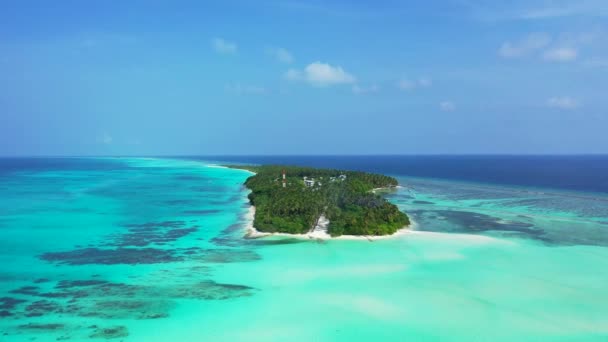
pixel 164 224
pixel 422 202
pixel 128 256
pixel 235 198
pixel 7 277
pixel 107 300
pixel 42 326
pixel 64 284
pixel 137 256
pixel 226 255
pixel 180 202
pixel 79 289
pixel 520 227
pixel 189 177
pixel 476 223
pixel 210 290
pixel 227 236
pixel 199 188
pixel 201 212
pixel 42 307
pixel 226 241
pixel 141 235
pixel 26 290
pixel 141 308
pixel 9 303
pixel 110 332
pixel 472 222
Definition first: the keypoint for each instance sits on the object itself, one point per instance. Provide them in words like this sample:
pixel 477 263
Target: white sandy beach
pixel 225 167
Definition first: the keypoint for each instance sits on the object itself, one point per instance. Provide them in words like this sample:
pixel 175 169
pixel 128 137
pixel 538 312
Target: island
pixel 295 200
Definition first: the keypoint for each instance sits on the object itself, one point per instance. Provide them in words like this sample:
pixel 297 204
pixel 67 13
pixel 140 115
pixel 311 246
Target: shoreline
pixel 252 233
pixel 216 166
pixel 386 188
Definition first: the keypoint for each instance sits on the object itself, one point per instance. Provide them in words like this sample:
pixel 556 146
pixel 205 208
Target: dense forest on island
pixel 344 197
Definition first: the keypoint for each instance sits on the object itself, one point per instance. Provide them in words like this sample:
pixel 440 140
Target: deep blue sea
pixel 154 250
pixel 580 173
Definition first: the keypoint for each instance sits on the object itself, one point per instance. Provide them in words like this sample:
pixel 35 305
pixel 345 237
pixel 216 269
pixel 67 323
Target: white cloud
pixel 447 106
pixel 561 54
pixel 325 74
pixel 321 74
pixel 565 103
pixel 524 47
pixel 246 89
pixel 222 46
pixel 281 54
pixel 407 84
pixel 359 90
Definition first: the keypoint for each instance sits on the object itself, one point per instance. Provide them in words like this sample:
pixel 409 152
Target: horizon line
pixel 308 155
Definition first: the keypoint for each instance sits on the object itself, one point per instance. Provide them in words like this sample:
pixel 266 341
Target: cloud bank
pixel 321 74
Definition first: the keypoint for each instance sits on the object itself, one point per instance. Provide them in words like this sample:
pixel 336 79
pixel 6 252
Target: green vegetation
pixel 344 197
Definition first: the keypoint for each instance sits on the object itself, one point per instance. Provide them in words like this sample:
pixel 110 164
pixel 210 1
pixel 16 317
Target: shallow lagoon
pixel 152 250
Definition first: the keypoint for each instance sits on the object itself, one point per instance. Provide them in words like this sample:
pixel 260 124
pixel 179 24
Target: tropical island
pixel 294 200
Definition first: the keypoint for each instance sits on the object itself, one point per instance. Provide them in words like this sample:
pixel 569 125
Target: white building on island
pixel 309 182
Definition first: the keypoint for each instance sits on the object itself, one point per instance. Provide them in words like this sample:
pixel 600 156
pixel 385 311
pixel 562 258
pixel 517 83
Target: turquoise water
pixel 152 250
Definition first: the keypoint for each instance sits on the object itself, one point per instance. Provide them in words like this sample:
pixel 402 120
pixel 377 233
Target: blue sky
pixel 303 77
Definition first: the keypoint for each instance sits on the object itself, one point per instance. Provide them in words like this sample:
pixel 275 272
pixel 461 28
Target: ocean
pixel 151 249
pixel 579 172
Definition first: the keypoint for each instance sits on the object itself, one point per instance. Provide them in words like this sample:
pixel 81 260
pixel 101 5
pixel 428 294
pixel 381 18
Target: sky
pixel 303 77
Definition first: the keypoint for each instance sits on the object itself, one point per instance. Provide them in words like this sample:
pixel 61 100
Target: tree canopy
pixel 344 197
